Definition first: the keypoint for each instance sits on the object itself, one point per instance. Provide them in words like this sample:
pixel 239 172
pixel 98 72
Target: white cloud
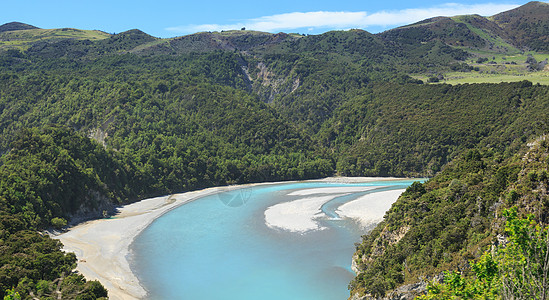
pixel 407 16
pixel 344 20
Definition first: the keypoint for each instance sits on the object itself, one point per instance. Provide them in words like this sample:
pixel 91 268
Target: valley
pixel 90 121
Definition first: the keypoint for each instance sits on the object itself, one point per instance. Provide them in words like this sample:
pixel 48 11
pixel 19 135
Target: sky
pixel 170 18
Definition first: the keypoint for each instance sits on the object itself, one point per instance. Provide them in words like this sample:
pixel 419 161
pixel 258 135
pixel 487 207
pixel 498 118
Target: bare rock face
pixel 404 292
pixel 97 206
pixel 409 291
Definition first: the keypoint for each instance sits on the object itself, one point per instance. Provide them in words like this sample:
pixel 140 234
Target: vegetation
pixel 48 176
pixel 516 270
pixel 527 24
pixel 90 120
pixel 455 78
pixel 23 39
pixel 431 124
pixel 453 218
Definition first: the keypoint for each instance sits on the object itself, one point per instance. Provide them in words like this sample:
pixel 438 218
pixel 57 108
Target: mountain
pixel 80 46
pixel 449 221
pixel 127 40
pixel 90 120
pixel 444 29
pixel 25 37
pixel 234 40
pixel 527 25
pixel 13 26
pixel 471 32
pixel 523 28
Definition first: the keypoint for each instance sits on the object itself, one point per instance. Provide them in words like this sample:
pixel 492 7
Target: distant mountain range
pixel 90 120
pixel 521 29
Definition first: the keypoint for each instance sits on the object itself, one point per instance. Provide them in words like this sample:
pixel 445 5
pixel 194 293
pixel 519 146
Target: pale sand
pixel 298 215
pixel 101 246
pixel 369 209
pixel 301 215
pixel 343 179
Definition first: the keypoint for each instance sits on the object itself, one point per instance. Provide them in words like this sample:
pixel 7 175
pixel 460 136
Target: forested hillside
pixel 449 221
pixel 90 120
pixel 414 130
pixel 48 176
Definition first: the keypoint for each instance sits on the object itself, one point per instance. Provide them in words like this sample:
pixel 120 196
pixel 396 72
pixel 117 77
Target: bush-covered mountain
pixel 14 26
pixel 523 28
pixel 415 129
pixel 526 26
pixel 90 120
pixel 451 219
pixel 48 176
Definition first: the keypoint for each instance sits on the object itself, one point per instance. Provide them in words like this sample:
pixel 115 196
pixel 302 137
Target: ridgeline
pixel 91 120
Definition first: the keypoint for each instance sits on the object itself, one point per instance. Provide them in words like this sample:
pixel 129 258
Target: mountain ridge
pixel 13 26
pixel 221 108
pixel 471 30
pixel 456 31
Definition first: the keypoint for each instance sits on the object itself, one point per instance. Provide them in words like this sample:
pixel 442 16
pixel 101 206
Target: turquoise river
pixel 248 244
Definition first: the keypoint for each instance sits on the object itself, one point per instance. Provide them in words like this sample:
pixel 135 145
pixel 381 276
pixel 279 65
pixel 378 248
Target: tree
pixel 11 294
pixel 484 285
pixel 517 270
pixel 58 223
pixel 524 261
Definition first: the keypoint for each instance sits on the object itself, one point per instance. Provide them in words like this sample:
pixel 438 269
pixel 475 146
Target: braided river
pixel 270 241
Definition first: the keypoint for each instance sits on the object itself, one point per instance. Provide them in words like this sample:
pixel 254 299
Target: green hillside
pixel 22 39
pixel 90 120
pixel 527 25
pixel 452 219
pixel 414 130
pixel 13 26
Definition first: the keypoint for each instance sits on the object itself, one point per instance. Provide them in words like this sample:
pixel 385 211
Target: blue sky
pixel 164 18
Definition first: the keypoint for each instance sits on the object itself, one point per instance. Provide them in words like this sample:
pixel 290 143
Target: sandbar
pixel 369 209
pixel 298 215
pixel 301 215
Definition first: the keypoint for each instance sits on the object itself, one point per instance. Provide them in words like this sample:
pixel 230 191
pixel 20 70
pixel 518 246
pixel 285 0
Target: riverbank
pixel 102 246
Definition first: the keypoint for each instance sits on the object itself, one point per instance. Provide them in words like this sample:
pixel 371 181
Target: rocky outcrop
pixel 360 263
pixel 268 84
pixel 98 205
pixel 100 134
pixel 403 292
pixel 388 238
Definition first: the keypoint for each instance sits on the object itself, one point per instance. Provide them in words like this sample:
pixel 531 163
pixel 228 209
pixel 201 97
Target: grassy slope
pixel 502 71
pixel 23 39
pixel 496 41
pixel 541 77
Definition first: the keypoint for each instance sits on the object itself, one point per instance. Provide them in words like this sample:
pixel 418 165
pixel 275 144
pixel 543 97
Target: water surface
pixel 219 247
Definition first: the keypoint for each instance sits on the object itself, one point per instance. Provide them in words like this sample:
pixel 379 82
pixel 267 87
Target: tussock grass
pixel 22 39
